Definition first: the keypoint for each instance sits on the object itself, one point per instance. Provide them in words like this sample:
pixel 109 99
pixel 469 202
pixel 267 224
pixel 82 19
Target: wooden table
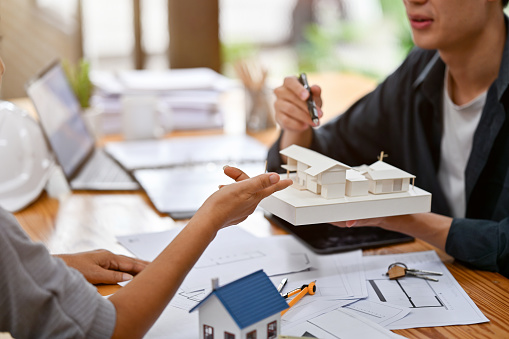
pixel 87 220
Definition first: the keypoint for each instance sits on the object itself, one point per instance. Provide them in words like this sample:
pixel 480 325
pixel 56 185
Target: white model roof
pixel 355 175
pixel 317 162
pixel 381 170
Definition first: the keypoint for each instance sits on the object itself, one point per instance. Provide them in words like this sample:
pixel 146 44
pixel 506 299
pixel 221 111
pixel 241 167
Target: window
pixel 208 332
pixel 228 335
pixel 398 185
pixel 386 186
pixel 251 335
pixel 272 330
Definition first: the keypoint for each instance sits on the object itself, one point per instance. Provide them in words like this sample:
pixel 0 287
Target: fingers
pixel 359 223
pixel 235 173
pixel 291 107
pixel 103 276
pixel 265 184
pixel 130 265
pixel 317 96
pixel 282 184
pixel 259 183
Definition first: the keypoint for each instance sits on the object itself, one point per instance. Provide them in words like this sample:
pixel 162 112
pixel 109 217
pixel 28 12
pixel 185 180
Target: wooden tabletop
pixel 89 220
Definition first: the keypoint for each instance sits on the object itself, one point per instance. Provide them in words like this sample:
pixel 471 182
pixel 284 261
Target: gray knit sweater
pixel 40 297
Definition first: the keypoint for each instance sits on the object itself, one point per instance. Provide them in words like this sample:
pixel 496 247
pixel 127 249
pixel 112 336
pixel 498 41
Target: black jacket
pixel 403 118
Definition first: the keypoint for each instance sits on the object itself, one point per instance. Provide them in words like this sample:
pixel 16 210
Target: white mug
pixel 140 118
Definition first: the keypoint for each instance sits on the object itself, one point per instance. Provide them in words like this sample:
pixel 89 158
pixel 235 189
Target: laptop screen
pixel 60 116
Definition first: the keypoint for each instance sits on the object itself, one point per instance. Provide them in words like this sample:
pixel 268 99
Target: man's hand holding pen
pixel 298 105
pixel 313 113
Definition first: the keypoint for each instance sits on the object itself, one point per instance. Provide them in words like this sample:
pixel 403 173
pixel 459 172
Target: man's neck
pixel 475 66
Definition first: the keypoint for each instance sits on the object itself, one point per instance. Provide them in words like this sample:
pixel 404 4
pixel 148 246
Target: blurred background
pixel 370 37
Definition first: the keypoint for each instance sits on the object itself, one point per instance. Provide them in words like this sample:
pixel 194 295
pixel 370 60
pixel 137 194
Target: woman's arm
pixel 140 303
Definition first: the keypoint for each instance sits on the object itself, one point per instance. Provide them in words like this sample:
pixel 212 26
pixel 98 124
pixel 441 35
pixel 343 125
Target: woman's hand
pixel 104 267
pixel 233 203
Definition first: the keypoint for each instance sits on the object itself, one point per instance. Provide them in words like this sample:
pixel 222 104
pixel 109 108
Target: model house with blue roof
pixel 248 308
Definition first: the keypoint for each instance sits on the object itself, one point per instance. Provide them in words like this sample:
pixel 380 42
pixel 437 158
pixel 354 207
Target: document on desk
pixel 441 303
pixel 333 280
pixel 339 324
pixel 233 254
pixel 187 151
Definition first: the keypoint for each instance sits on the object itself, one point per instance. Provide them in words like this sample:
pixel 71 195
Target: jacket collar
pixel 436 68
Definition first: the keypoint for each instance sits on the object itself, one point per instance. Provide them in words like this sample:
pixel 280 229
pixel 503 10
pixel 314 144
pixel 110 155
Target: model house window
pixel 208 332
pixel 272 330
pixel 386 186
pixel 398 185
pixel 228 335
pixel 251 335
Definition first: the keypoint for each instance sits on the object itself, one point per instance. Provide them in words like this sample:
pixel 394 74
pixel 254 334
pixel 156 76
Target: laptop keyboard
pixel 100 171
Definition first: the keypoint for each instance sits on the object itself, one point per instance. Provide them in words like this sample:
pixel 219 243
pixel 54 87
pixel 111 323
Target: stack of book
pixel 187 98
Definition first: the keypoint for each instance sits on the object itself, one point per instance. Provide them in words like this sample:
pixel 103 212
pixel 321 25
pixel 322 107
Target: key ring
pixel 397 264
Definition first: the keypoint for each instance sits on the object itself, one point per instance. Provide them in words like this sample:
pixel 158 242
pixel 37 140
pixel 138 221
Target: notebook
pixel 85 166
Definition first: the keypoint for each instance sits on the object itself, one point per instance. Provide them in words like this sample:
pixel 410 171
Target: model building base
pixel 302 207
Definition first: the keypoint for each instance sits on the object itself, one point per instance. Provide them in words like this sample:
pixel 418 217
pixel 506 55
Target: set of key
pixel 399 270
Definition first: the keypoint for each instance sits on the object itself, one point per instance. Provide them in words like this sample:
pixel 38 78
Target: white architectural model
pixel 326 190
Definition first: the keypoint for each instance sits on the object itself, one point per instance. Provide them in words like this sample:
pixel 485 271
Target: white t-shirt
pixel 460 123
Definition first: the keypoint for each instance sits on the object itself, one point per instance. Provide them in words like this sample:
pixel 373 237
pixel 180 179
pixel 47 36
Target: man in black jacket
pixel 442 116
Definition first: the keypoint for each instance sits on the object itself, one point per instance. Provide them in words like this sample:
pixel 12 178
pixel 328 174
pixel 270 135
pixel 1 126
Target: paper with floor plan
pixel 335 275
pixel 441 303
pixel 233 254
pixel 382 313
pixel 339 324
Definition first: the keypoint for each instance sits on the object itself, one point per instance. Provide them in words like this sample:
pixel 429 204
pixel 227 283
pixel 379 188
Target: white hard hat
pixel 25 160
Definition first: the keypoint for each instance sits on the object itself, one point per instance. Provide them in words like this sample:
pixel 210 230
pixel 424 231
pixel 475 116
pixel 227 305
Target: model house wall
pixel 356 184
pixel 214 315
pixel 385 178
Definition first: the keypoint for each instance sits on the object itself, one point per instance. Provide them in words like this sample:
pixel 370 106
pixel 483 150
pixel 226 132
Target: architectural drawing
pixel 326 190
pixel 411 293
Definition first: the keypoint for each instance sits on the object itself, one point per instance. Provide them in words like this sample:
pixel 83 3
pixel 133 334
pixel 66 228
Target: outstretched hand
pixel 104 267
pixel 233 203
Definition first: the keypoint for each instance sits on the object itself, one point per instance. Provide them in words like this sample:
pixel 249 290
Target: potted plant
pixel 79 78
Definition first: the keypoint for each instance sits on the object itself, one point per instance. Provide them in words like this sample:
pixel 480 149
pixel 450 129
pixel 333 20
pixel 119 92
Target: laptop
pixel 85 166
pixel 327 238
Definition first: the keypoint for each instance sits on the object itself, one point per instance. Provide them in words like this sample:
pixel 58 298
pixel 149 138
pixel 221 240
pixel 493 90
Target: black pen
pixel 311 103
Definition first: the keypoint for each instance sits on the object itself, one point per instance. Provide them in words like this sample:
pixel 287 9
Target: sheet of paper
pixel 340 324
pixel 233 254
pixel 147 246
pixel 350 264
pixel 308 308
pixel 332 283
pixel 175 323
pixel 240 259
pixel 441 303
pixel 378 312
